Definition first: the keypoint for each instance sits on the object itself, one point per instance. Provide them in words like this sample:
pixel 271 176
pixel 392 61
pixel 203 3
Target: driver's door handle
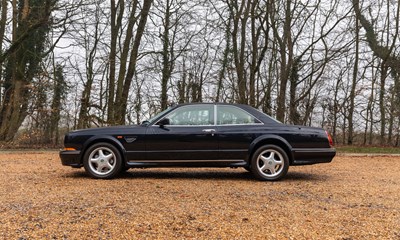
pixel 212 131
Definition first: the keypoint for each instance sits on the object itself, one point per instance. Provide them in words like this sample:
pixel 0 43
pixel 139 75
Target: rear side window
pixel 231 115
pixel 192 115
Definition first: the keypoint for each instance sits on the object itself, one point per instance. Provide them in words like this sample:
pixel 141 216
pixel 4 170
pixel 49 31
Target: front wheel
pixel 102 160
pixel 269 163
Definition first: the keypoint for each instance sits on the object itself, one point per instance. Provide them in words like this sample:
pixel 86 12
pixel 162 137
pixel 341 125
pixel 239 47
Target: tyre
pixel 269 163
pixel 102 160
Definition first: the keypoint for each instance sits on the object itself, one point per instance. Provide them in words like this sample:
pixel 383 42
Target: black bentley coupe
pixel 199 135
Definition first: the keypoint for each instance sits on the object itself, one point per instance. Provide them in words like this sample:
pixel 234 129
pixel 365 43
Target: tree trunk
pixel 166 61
pixel 84 119
pixel 240 18
pixel 286 53
pixel 382 104
pixel 335 109
pixel 3 22
pixel 294 116
pixel 370 116
pixel 224 61
pixel 122 101
pixel 58 96
pixel 129 53
pixel 116 23
pixel 353 86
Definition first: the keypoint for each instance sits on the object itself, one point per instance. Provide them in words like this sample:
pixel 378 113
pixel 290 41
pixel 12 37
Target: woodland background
pixel 76 64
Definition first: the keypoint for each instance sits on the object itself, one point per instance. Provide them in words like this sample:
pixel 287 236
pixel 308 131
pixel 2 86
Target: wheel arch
pixel 273 140
pixel 106 139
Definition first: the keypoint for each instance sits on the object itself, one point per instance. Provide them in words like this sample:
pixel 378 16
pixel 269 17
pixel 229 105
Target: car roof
pixel 210 103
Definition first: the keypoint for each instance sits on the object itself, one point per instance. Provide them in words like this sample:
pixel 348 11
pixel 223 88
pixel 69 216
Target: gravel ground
pixel 354 197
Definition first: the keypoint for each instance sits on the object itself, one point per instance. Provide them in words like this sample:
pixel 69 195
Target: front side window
pixel 192 115
pixel 231 115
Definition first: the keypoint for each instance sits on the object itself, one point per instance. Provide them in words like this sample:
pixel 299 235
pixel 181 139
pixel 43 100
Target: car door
pixel 236 130
pixel 185 134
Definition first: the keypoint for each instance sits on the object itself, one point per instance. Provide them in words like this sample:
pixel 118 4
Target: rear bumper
pixel 307 156
pixel 71 158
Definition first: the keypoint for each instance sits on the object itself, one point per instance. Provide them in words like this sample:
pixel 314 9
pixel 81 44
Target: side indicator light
pixel 119 137
pixel 69 149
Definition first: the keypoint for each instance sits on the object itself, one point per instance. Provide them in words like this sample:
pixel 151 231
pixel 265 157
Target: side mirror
pixel 163 122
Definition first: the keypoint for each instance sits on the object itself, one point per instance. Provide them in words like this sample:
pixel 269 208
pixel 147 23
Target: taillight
pixel 329 139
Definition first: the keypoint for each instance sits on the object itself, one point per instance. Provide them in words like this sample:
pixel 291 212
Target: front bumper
pixel 71 158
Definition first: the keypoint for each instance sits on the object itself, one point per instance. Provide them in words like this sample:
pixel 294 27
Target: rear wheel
pixel 102 160
pixel 269 162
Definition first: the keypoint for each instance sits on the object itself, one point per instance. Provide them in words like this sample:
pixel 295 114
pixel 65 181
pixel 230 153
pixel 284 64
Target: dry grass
pixel 350 198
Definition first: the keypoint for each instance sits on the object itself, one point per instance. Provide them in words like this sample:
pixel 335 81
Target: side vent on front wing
pixel 130 139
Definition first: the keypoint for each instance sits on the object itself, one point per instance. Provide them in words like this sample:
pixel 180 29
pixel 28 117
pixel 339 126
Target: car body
pixel 199 135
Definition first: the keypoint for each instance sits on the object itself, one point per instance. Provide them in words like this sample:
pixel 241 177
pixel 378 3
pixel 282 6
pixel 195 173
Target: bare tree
pixel 90 38
pixel 25 53
pixel 385 53
pixel 128 59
